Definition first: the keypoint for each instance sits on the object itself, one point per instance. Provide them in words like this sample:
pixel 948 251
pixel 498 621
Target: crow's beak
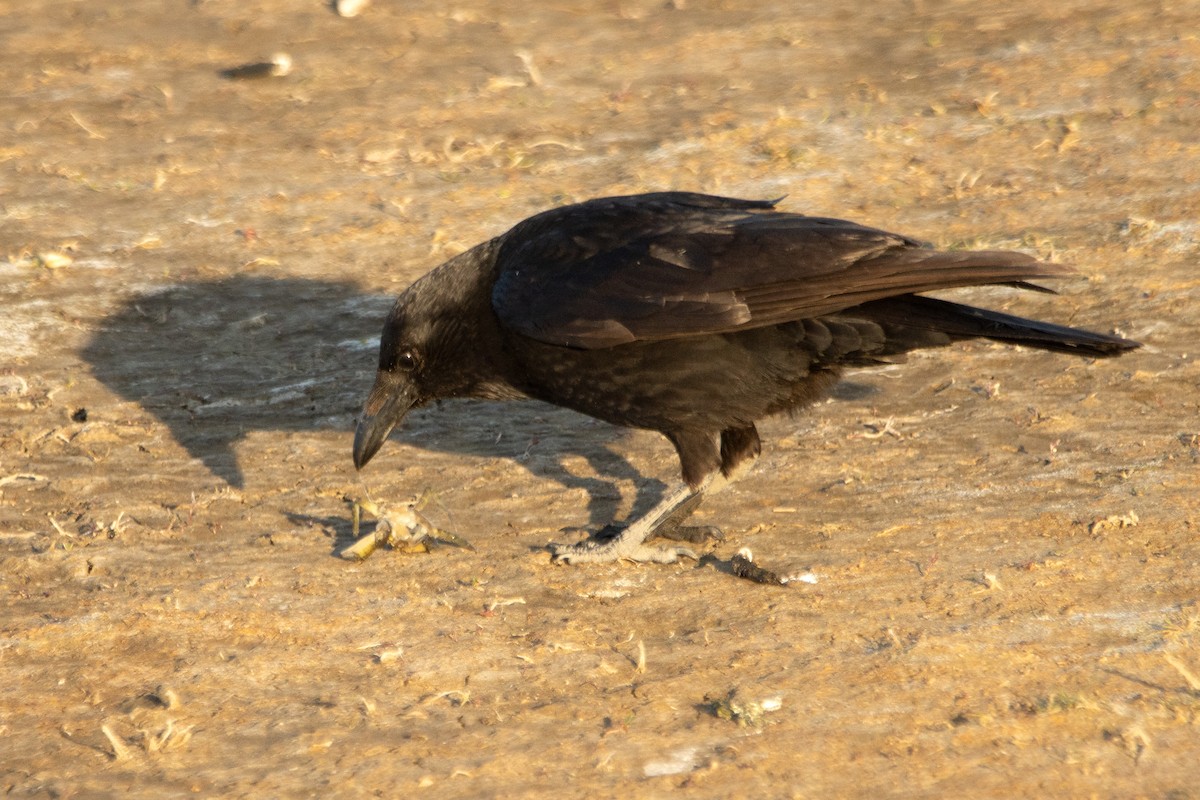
pixel 386 407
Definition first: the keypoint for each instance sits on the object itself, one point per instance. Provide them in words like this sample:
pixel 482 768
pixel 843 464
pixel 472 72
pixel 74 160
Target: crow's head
pixel 398 384
pixel 440 340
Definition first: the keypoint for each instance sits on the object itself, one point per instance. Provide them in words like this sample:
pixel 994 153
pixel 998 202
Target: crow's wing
pixel 662 266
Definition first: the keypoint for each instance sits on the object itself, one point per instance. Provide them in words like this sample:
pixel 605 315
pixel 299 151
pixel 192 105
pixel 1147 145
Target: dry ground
pixel 1005 543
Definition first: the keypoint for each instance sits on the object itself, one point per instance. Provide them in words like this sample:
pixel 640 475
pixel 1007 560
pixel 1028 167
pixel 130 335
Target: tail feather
pixel 968 322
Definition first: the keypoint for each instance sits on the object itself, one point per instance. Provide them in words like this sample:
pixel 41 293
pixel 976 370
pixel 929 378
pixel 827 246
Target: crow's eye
pixel 406 360
pixel 396 358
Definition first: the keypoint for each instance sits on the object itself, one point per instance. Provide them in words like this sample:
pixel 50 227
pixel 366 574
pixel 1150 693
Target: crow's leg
pixel 673 528
pixel 629 543
pixel 739 449
pixel 670 528
pixel 704 471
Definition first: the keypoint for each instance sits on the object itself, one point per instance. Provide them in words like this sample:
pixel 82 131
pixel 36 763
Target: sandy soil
pixel 194 271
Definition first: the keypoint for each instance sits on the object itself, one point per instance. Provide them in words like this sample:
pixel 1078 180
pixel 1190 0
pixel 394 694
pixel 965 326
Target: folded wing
pixel 670 265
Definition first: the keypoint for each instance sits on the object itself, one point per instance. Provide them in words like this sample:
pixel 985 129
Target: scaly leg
pixel 673 527
pixel 629 544
pixel 705 470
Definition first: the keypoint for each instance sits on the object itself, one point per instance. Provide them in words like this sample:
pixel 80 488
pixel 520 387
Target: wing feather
pixel 670 265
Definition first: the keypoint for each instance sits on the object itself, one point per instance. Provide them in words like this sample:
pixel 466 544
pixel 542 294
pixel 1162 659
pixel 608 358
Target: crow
pixel 688 314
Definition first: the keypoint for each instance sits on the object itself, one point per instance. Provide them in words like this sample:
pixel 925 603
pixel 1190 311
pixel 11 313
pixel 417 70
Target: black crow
pixel 688 314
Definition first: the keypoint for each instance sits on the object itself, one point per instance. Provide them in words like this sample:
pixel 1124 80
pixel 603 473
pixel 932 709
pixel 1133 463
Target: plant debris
pixel 744 567
pixel 746 713
pixel 279 66
pixel 403 529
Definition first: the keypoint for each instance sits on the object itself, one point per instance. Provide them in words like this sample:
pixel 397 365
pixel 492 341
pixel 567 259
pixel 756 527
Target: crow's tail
pixel 967 322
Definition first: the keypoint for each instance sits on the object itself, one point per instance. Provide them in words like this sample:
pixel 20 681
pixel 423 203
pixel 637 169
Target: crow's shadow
pixel 215 360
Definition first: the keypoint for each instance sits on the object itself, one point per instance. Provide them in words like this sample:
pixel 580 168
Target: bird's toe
pixel 695 534
pixel 593 552
pixel 607 533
